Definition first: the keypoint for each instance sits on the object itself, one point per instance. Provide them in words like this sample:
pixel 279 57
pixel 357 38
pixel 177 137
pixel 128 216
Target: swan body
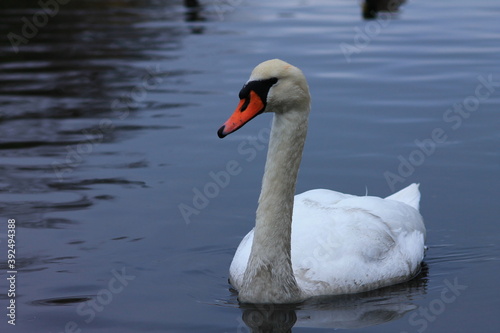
pixel 344 244
pixel 320 242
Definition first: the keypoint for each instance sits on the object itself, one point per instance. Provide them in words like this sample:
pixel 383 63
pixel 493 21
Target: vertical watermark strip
pixel 12 271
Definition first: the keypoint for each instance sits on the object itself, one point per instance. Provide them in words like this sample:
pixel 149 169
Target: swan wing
pixel 344 244
pixel 355 243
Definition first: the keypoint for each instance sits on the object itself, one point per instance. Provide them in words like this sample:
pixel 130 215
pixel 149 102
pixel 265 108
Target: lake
pixel 109 157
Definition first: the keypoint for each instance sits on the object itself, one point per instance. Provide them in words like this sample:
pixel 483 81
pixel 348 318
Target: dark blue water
pixel 108 146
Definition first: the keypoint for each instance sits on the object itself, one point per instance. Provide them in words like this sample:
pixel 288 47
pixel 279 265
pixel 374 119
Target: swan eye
pixel 260 87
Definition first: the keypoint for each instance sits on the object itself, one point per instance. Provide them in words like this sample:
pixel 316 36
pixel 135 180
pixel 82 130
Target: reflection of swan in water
pixel 193 10
pixel 372 7
pixel 339 312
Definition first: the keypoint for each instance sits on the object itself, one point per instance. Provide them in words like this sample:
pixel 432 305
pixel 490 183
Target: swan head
pixel 274 86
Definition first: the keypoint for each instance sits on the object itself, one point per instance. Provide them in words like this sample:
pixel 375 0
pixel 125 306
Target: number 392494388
pixel 11 244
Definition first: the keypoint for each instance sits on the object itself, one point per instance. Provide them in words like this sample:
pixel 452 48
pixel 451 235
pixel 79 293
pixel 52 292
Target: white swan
pixel 319 242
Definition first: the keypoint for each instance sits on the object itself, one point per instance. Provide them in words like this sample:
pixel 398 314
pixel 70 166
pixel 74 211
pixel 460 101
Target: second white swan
pixel 320 242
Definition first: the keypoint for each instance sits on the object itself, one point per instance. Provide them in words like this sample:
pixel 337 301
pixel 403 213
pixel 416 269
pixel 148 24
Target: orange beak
pixel 246 110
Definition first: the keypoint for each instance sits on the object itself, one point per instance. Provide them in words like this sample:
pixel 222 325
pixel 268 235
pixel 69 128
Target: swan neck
pixel 286 144
pixel 269 275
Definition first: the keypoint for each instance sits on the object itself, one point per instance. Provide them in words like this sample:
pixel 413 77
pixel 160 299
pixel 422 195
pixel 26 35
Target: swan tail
pixel 410 195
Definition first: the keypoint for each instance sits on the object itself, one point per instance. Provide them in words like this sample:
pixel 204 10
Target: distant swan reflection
pixel 339 312
pixel 372 7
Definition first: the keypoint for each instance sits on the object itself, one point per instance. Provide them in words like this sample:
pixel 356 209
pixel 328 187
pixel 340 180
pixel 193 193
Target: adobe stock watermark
pixel 89 309
pixel 421 318
pixel 31 25
pixel 453 117
pixel 121 107
pixel 220 179
pixel 224 7
pixel 371 29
